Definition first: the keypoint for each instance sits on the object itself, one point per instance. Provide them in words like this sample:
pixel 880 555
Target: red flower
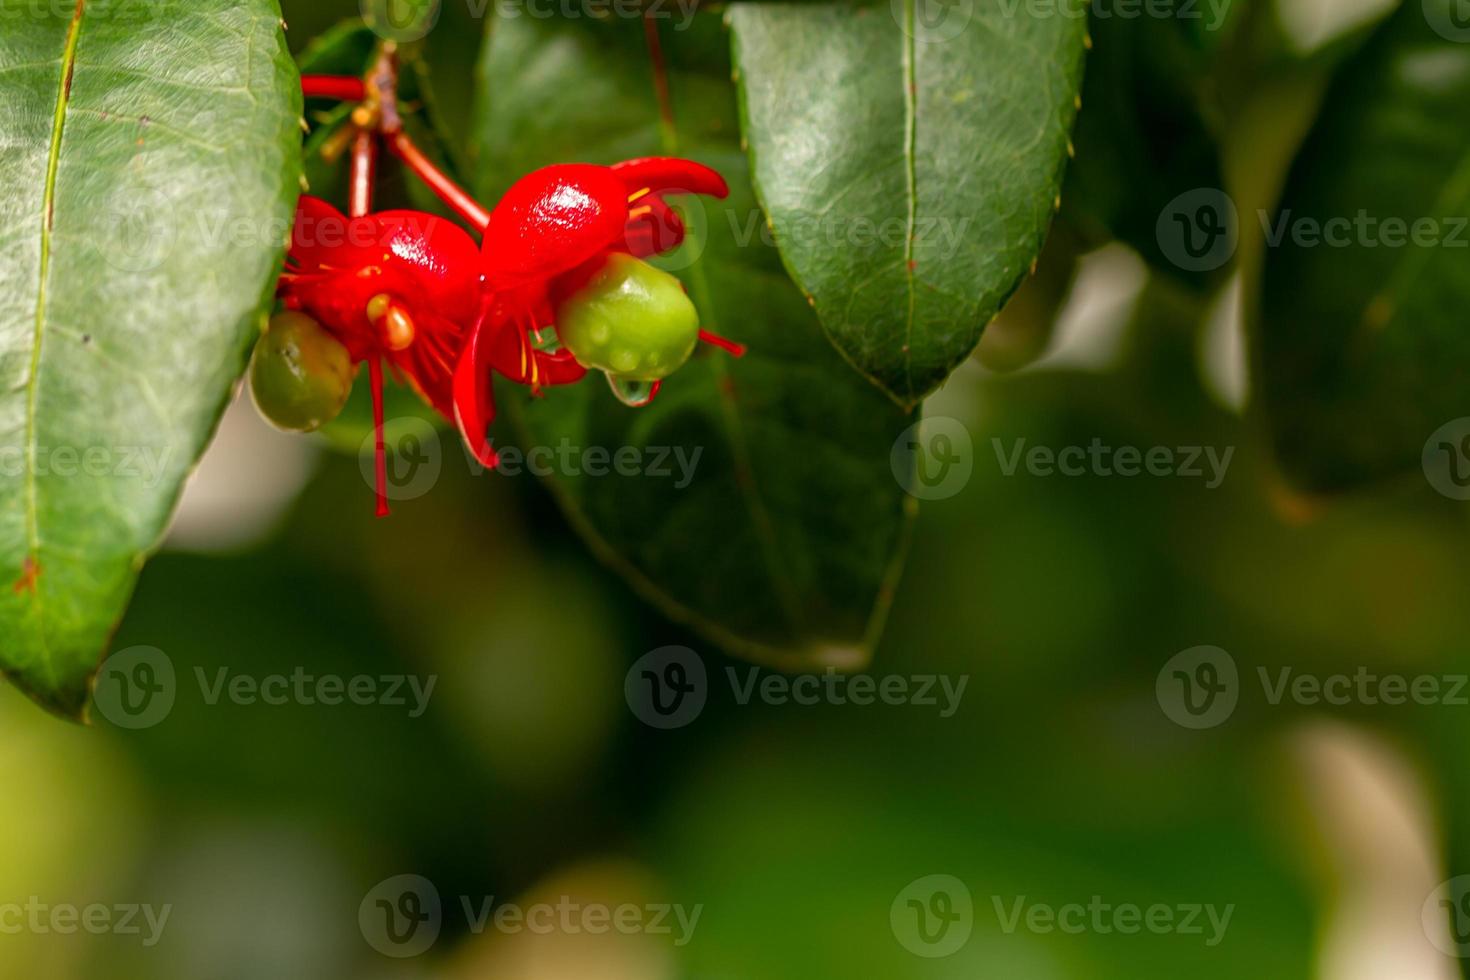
pixel 399 285
pixel 546 232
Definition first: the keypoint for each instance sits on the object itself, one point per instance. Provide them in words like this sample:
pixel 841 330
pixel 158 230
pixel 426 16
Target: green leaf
pixel 784 544
pixel 910 156
pixel 1363 347
pixel 151 164
pixel 1144 135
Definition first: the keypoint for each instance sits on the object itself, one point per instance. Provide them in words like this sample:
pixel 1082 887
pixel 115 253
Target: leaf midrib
pixel 48 220
pixel 910 150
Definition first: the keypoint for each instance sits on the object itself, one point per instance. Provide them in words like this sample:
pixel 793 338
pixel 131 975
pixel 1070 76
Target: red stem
pixel 364 172
pixel 660 77
pixel 341 87
pixel 458 199
pixel 723 343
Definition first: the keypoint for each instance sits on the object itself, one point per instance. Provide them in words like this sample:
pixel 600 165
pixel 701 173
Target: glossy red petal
pixel 474 396
pixel 553 220
pixel 444 259
pixel 670 175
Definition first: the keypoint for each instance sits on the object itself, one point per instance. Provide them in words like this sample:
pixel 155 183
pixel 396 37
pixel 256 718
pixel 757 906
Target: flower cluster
pixel 557 287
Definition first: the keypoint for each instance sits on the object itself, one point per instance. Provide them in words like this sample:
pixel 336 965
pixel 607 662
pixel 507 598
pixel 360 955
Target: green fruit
pixel 631 320
pixel 301 375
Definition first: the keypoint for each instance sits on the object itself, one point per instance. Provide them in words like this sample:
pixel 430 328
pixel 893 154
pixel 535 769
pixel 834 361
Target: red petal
pixel 319 228
pixel 671 175
pixel 444 259
pixel 653 228
pixel 553 220
pixel 474 395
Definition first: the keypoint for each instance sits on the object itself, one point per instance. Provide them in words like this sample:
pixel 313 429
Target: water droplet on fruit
pixel 634 394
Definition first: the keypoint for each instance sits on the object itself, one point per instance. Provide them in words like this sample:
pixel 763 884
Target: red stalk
pixel 341 87
pixel 723 343
pixel 458 199
pixel 364 170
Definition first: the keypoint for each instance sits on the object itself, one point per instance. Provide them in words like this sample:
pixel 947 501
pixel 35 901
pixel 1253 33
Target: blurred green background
pixel 797 830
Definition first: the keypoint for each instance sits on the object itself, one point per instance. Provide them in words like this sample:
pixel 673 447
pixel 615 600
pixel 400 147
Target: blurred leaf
pixel 1023 330
pixel 149 171
pixel 1144 135
pixel 910 158
pixel 1363 349
pixel 785 540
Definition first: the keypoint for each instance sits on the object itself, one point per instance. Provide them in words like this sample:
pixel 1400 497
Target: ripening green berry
pixel 301 375
pixel 631 320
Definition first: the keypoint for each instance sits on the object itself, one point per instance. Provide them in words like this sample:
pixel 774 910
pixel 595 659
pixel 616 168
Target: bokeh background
pixel 797 830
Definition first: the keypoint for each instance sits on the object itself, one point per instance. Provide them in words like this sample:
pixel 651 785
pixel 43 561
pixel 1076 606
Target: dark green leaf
pixel 1364 351
pixel 785 543
pixel 910 157
pixel 1144 135
pixel 152 160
